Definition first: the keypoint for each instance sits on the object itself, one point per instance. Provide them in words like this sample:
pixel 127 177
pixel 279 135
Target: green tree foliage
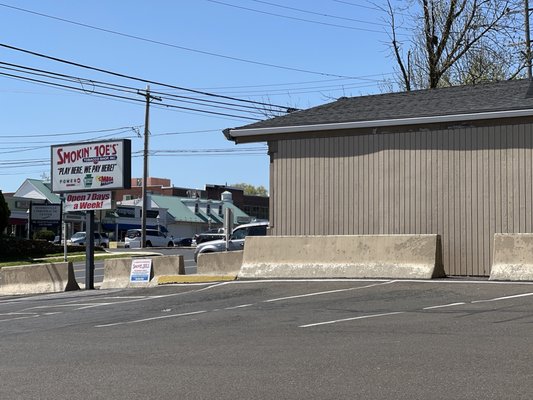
pixel 4 213
pixel 252 190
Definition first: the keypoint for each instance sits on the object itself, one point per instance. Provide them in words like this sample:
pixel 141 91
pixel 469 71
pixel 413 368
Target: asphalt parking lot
pixel 350 339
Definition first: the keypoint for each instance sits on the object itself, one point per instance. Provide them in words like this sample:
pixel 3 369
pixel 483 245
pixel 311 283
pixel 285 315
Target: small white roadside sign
pixel 140 270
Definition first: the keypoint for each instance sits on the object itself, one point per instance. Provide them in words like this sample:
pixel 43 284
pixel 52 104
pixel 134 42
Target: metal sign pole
pixel 228 225
pixel 63 228
pixel 29 221
pixel 89 250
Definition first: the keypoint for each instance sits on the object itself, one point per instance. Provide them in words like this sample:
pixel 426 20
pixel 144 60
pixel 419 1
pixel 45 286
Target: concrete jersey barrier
pixel 354 256
pixel 223 263
pixel 38 278
pixel 513 257
pixel 117 271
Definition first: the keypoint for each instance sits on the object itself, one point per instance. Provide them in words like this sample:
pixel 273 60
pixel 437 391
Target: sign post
pixel 89 250
pixel 228 225
pixel 86 173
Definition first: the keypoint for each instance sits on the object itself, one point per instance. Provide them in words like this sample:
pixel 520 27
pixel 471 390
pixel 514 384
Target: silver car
pixel 99 239
pixel 236 241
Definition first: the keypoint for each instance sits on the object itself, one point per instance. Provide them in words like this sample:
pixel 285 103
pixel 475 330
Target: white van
pixel 154 238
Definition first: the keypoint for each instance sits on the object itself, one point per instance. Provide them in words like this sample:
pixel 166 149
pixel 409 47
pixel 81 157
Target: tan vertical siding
pixel 463 183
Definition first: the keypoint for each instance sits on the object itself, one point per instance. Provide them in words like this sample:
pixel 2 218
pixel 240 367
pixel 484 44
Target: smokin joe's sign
pixel 92 166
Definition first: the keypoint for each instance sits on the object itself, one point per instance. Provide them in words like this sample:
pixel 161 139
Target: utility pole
pixel 528 38
pixel 148 97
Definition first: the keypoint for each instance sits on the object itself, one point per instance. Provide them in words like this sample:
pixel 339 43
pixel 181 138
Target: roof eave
pixel 236 134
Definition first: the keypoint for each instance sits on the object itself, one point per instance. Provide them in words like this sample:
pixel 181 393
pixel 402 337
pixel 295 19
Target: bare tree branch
pixel 405 73
pixel 460 41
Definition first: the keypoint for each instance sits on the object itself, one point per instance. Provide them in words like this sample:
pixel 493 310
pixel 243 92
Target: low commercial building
pixel 177 216
pixel 37 192
pixel 255 206
pixel 457 162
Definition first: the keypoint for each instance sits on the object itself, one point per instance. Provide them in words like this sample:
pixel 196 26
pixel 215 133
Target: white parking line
pixel 150 319
pixel 13 319
pixel 504 298
pixel 18 313
pixel 327 292
pixel 351 319
pixel 241 306
pixel 58 305
pixel 444 305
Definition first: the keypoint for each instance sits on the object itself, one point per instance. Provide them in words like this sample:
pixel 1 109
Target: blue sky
pixel 309 64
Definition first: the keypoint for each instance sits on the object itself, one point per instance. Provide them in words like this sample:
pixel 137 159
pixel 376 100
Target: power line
pixel 185 132
pixel 22 149
pixel 88 86
pixel 26 173
pixel 319 14
pixel 366 78
pixel 124 97
pixel 125 129
pixel 136 78
pixel 134 101
pixel 122 128
pixel 264 64
pixel 196 151
pixel 212 154
pixel 130 90
pixel 201 102
pixel 304 89
pixel 358 5
pixel 22 163
pixel 66 86
pixel 131 101
pixel 127 89
pixel 294 18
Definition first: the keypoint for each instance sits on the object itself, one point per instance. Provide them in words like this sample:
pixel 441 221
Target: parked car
pixel 236 241
pixel 183 242
pixel 154 238
pixel 100 239
pixel 212 234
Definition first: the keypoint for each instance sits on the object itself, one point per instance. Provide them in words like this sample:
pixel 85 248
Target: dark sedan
pixel 183 242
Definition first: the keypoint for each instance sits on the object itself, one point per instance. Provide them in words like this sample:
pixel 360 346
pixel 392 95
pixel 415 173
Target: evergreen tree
pixel 4 213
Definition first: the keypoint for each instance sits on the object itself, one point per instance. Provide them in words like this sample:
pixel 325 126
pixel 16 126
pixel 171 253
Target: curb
pixel 169 279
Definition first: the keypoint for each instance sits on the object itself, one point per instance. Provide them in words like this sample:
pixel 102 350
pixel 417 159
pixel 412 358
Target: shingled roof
pixel 501 99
